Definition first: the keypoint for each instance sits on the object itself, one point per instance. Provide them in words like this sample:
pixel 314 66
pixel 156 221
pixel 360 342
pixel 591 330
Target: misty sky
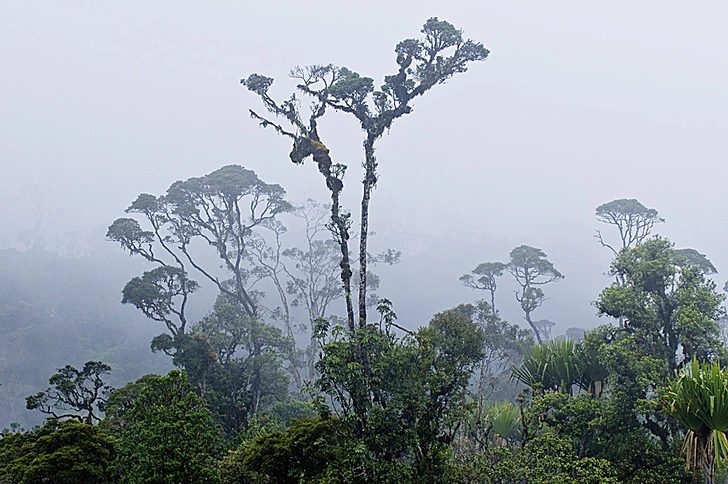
pixel 577 104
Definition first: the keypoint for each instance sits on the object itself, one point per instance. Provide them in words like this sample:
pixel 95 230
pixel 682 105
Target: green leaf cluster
pixel 167 434
pixel 698 399
pixel 666 303
pixel 67 452
pixel 561 365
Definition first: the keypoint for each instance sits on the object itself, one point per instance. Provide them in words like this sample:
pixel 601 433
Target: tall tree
pixel 306 142
pixel 530 267
pixel 422 64
pixel 220 209
pixel 633 220
pixel 670 306
pixel 224 211
pixel 81 393
pixel 313 283
pixel 267 261
pixel 484 277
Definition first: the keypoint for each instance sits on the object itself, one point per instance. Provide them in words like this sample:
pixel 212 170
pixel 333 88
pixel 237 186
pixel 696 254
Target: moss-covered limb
pixel 422 63
pixel 306 142
pixel 339 222
pixel 264 122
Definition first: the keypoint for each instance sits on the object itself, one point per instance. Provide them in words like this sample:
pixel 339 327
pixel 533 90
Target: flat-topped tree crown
pixel 225 188
pixel 76 394
pixel 530 267
pixel 221 209
pixel 633 220
pixel 695 258
pixel 483 277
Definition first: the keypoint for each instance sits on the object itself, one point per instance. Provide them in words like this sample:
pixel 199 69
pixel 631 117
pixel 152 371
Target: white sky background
pixel 578 104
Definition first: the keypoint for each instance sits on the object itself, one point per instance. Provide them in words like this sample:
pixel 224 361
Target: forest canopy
pixel 248 338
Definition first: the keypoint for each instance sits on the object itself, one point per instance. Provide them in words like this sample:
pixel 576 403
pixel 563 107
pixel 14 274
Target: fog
pixel 577 104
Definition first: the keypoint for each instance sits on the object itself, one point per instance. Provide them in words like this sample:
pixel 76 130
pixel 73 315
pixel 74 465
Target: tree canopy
pixel 530 267
pixel 75 391
pixel 633 220
pixel 670 306
pixel 168 434
pixel 277 384
pixel 440 54
pixel 220 210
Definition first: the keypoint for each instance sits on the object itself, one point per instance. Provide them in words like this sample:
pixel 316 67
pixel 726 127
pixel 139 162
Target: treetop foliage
pixel 423 63
pixel 172 429
pixel 220 209
pixel 659 294
pixel 633 220
pixel 60 452
pixel 78 391
pixel 530 266
pixel 693 257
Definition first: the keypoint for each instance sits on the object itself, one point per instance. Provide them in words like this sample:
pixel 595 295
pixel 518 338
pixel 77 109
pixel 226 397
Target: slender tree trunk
pixel 345 264
pixel 203 382
pixel 370 180
pixel 533 327
pixel 363 256
pixel 339 224
pixel 257 386
pixel 293 368
pixel 256 396
pixel 481 383
pixel 311 358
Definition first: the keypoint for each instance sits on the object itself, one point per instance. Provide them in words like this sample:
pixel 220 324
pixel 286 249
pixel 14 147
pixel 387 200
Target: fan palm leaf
pixel 553 366
pixel 698 398
pixel 505 419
